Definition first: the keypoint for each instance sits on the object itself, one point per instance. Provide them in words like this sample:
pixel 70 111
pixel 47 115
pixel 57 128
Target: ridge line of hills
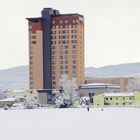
pixel 17 77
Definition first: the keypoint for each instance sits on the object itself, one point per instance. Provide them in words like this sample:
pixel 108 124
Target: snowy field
pixel 70 124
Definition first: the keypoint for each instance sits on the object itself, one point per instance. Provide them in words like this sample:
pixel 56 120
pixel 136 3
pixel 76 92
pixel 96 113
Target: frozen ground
pixel 70 124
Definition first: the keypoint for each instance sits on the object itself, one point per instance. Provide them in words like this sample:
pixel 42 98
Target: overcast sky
pixel 112 29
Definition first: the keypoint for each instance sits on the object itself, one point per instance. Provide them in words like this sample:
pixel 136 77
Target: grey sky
pixel 112 29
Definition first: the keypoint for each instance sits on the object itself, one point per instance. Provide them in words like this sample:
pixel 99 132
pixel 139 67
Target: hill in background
pixel 17 77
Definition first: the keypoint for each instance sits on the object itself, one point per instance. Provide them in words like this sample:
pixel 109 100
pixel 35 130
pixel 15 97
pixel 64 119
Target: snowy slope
pixel 70 124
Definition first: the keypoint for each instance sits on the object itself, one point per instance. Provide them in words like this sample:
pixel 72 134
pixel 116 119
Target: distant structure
pixel 56 46
pixel 117 99
pixel 93 89
pixel 123 82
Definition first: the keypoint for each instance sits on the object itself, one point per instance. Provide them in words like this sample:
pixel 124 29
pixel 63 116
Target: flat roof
pixel 118 94
pixel 99 85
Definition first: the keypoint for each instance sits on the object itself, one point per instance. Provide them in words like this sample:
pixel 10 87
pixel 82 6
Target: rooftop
pixel 118 94
pixel 99 85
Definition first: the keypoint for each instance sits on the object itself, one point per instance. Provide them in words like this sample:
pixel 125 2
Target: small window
pixel 73 26
pixel 110 98
pixel 74 66
pixel 60 27
pixel 106 98
pixel 74 46
pixel 66 26
pixel 66 21
pixel 116 98
pixel 123 103
pixel 53 22
pixel 61 21
pixel 117 104
pixel 66 47
pixel 73 21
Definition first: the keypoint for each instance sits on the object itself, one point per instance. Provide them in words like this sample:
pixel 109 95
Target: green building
pixel 117 99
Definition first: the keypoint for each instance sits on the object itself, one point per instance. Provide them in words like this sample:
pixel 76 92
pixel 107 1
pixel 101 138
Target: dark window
pixel 33 42
pixel 110 98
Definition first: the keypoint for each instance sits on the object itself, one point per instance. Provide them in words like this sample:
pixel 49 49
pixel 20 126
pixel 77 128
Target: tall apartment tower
pixel 56 46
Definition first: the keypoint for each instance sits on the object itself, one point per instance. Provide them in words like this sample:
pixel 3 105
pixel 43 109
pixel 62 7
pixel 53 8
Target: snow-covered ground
pixel 70 124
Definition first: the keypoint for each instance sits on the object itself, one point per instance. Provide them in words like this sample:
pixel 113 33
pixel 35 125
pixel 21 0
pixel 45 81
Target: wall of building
pixel 97 91
pixel 100 100
pixel 123 82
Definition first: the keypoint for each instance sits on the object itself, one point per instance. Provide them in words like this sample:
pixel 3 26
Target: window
pixel 53 77
pixel 53 37
pixel 106 98
pixel 116 98
pixel 73 26
pixel 74 41
pixel 73 36
pixel 60 27
pixel 66 62
pixel 33 42
pixel 66 72
pixel 110 98
pixel 61 47
pixel 123 103
pixel 74 61
pixel 61 32
pixel 73 72
pixel 74 66
pixel 66 26
pixel 66 67
pixel 123 98
pixel 53 47
pixel 74 46
pixel 61 67
pixel 66 52
pixel 53 27
pixel 61 21
pixel 66 31
pixel 66 57
pixel 53 32
pixel 31 57
pixel 66 47
pixel 66 21
pixel 53 62
pixel 117 104
pixel 73 51
pixel 53 22
pixel 31 62
pixel 61 51
pixel 73 31
pixel 73 56
pixel 130 98
pixel 53 67
pixel 73 21
pixel 61 57
pixel 53 72
pixel 53 52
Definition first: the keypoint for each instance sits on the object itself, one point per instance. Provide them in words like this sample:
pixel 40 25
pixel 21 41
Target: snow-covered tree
pixel 69 92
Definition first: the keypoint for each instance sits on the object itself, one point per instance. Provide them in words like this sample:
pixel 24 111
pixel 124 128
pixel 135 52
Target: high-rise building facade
pixel 56 46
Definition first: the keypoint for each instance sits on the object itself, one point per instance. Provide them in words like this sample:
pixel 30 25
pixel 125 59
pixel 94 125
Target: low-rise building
pixel 117 99
pixel 96 89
